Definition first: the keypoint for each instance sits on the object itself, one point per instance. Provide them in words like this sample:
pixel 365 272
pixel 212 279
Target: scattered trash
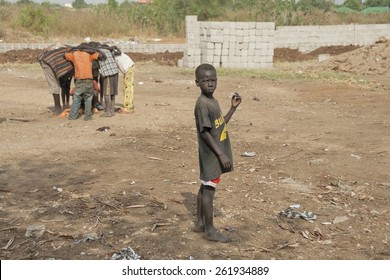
pixel 126 254
pixel 9 243
pixel 103 129
pixel 291 213
pixel 65 113
pixel 155 158
pixel 35 230
pixel 248 154
pixel 296 206
pixel 160 225
pixel 305 234
pixel 356 156
pixel 88 237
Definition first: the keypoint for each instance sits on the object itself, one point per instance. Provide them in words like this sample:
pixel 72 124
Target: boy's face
pixel 207 82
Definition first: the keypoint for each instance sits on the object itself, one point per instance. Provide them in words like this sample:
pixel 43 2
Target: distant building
pixel 68 5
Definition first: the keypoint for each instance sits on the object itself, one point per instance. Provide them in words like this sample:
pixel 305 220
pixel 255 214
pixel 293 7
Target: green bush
pixel 166 17
pixel 34 19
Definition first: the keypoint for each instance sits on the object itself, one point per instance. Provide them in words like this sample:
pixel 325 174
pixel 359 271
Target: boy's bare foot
pixel 199 227
pixel 57 111
pixel 216 236
pixel 106 115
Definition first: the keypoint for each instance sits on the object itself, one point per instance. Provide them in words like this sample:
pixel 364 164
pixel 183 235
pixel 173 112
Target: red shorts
pixel 212 183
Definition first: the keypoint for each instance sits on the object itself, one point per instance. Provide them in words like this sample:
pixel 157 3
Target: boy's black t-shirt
pixel 208 114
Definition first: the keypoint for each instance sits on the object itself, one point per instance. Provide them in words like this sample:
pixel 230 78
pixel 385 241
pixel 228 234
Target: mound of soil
pixel 171 58
pixel 30 56
pixel 373 59
pixel 369 60
pixel 294 55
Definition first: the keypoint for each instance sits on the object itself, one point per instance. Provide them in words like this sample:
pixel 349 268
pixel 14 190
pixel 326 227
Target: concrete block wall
pixel 308 38
pixel 247 44
pixel 125 47
pixel 229 44
pixel 151 48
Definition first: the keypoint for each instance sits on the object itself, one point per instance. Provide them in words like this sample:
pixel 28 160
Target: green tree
pixel 206 9
pixel 113 4
pixel 377 3
pixel 168 15
pixel 78 4
pixel 353 4
pixel 4 3
pixel 24 2
pixel 310 5
pixel 35 19
pixel 126 3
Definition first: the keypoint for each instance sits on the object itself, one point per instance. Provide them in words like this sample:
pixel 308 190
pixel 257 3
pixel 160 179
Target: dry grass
pixel 101 24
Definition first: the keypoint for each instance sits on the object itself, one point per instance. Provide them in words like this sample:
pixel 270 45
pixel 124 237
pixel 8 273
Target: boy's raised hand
pixel 236 100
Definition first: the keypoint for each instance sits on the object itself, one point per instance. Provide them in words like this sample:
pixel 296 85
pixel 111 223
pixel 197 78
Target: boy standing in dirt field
pixel 82 61
pixel 215 155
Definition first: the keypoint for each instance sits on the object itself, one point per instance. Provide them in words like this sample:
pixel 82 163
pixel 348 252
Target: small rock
pixel 35 230
pixel 340 219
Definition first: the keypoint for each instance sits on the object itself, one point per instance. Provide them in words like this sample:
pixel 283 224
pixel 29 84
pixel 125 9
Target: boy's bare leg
pixel 208 211
pixel 107 107
pixel 65 96
pixel 94 101
pixel 112 109
pixel 63 99
pixel 57 104
pixel 199 225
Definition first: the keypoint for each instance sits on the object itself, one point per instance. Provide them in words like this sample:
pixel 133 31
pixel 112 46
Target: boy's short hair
pixel 204 67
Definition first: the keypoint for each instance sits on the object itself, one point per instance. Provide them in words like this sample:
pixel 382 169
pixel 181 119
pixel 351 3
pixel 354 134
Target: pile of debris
pixel 369 60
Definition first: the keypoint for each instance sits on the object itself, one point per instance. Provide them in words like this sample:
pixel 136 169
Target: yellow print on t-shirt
pixel 223 134
pixel 218 122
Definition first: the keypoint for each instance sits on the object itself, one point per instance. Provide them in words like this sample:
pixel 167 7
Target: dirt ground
pixel 320 133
